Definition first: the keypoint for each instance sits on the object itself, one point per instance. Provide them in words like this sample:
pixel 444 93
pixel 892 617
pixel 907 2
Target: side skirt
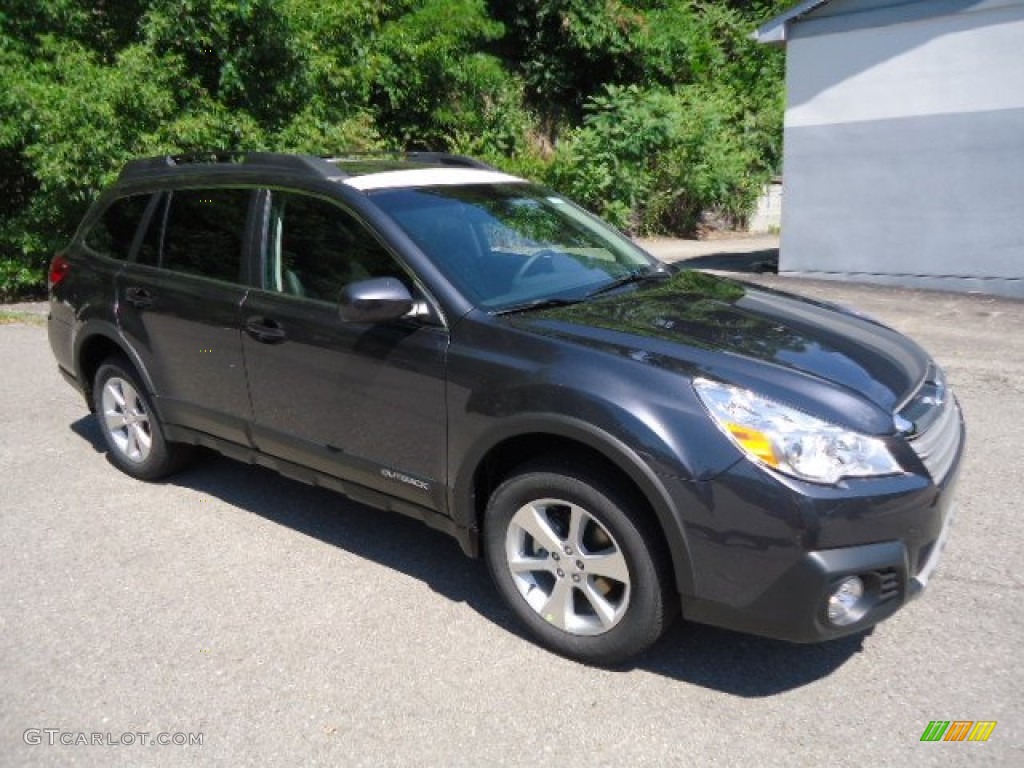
pixel 359 493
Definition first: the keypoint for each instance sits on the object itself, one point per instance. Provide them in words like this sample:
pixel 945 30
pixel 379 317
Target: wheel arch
pixel 502 452
pixel 97 345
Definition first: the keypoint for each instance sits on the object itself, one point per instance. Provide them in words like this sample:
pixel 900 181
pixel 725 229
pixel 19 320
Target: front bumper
pixel 766 555
pixel 794 608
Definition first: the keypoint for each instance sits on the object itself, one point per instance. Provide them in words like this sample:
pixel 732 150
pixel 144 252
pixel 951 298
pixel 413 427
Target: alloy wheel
pixel 126 420
pixel 567 566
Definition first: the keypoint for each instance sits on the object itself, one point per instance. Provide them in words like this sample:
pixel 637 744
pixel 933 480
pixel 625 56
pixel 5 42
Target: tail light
pixel 58 271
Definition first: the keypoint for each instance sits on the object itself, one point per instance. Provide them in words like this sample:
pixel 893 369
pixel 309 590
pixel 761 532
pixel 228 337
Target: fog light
pixel 845 603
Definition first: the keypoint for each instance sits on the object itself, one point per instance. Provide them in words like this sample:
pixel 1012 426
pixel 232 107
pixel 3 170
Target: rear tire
pixel 578 562
pixel 133 433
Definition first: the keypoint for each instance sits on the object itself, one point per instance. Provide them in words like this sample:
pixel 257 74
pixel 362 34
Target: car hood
pixel 751 336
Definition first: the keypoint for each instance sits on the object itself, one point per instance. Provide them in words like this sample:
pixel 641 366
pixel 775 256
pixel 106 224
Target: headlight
pixel 791 441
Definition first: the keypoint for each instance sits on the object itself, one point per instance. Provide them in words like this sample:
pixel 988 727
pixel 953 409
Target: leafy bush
pixel 653 161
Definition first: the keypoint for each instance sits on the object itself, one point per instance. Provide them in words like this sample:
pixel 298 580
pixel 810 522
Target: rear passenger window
pixel 113 233
pixel 204 232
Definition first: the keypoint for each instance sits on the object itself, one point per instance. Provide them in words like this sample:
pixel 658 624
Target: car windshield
pixel 513 245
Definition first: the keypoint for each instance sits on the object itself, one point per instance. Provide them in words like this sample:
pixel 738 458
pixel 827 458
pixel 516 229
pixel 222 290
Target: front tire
pixel 131 430
pixel 578 561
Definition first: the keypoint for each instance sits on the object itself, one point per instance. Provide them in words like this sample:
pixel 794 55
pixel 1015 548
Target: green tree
pixel 242 54
pixel 650 111
pixel 566 50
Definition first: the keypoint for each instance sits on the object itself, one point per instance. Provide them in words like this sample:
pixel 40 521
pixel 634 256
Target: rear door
pixel 179 307
pixel 363 402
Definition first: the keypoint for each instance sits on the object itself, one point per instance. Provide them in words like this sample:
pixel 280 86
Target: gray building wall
pixel 904 144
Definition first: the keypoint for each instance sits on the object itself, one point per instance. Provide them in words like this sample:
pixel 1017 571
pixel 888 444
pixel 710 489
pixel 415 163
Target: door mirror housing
pixel 374 301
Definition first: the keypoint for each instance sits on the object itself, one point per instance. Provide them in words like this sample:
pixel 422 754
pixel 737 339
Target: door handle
pixel 138 297
pixel 265 330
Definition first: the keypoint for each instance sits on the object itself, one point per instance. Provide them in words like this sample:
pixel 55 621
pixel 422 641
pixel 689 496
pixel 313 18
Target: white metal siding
pixel 905 153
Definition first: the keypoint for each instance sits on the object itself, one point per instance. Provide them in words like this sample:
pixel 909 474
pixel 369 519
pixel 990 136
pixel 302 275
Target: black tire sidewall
pixel 160 461
pixel 647 614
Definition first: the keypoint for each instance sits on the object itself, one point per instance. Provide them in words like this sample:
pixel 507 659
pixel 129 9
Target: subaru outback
pixel 621 440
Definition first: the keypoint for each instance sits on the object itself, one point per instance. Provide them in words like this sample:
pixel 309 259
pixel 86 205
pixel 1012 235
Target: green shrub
pixel 653 161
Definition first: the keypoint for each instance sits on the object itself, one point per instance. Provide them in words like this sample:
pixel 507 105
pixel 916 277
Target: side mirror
pixel 374 301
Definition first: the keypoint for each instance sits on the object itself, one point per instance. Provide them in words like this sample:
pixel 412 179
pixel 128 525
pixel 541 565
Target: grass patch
pixel 14 317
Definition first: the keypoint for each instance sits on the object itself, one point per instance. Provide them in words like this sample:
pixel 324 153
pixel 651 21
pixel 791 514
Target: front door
pixel 363 402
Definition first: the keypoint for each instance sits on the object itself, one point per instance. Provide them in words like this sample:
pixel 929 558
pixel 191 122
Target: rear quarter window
pixel 113 232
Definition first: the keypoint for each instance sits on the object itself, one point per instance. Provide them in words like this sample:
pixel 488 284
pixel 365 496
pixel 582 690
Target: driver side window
pixel 314 249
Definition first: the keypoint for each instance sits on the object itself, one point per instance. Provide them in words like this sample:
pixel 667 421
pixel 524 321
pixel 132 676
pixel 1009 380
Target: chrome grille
pixel 935 416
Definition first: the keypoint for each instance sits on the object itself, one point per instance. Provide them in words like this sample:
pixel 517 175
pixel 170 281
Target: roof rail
pixel 308 164
pixel 446 158
pixel 147 166
pixel 416 156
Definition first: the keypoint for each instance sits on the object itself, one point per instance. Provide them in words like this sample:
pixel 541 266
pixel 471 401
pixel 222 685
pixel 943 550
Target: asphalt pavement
pixel 283 625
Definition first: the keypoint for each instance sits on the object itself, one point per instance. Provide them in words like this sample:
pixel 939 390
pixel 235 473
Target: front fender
pixel 661 491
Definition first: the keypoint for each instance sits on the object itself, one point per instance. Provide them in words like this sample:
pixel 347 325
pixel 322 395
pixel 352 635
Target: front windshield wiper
pixel 630 277
pixel 546 303
pixel 637 276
